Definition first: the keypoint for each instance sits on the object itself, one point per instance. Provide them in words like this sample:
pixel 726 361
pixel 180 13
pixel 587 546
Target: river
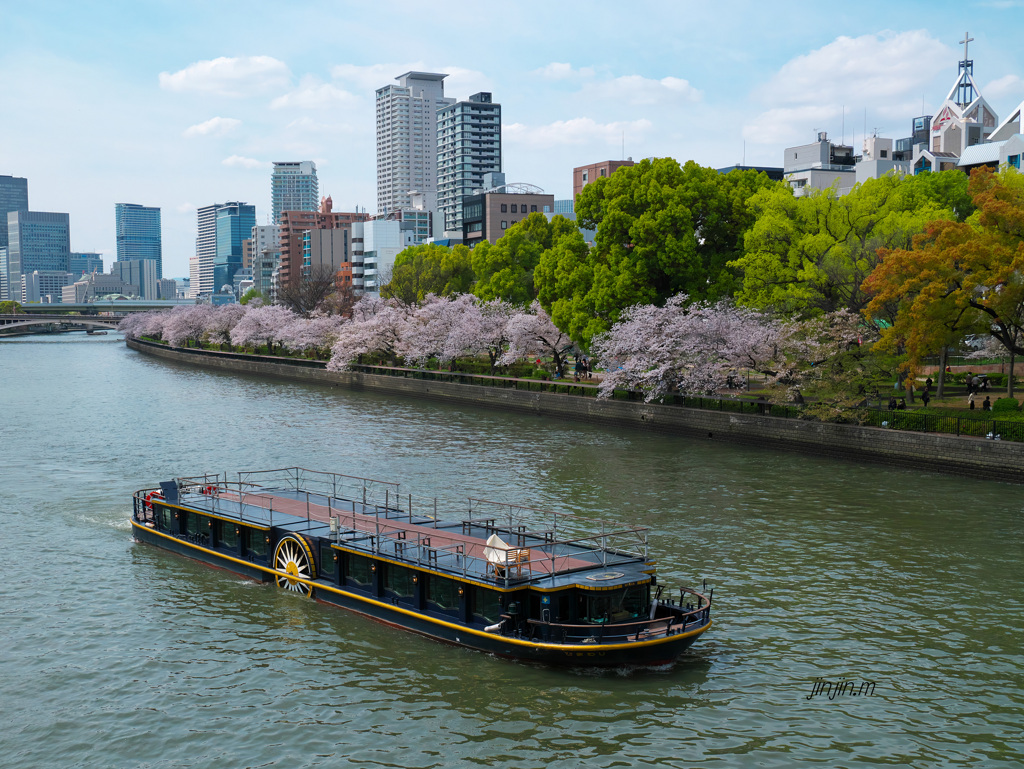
pixel 117 654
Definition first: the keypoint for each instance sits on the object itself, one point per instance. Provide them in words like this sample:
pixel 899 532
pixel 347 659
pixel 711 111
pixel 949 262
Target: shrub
pixel 1005 405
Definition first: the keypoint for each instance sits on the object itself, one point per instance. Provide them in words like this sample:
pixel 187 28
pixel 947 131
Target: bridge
pixel 63 322
pixel 116 307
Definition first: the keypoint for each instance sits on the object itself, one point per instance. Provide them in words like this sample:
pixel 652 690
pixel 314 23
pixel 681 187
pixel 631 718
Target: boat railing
pixel 524 523
pixel 669 619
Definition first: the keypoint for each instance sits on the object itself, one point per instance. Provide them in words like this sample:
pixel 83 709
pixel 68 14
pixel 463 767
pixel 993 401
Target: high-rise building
pixel 138 272
pixel 221 229
pixel 468 146
pixel 167 288
pixel 44 285
pixel 83 263
pixel 407 140
pixel 293 187
pixel 376 243
pixel 137 229
pixel 13 197
pixel 37 240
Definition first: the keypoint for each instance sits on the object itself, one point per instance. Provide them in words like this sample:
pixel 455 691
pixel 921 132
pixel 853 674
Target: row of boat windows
pixel 401 582
pixel 212 532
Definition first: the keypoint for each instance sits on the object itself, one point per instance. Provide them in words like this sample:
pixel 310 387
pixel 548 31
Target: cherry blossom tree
pixel 317 334
pixel 262 325
pixel 688 347
pixel 481 329
pixel 376 326
pixel 222 320
pixel 439 327
pixel 531 333
pixel 187 324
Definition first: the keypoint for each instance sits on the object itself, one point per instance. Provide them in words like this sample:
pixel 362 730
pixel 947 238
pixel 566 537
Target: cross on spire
pixel 965 42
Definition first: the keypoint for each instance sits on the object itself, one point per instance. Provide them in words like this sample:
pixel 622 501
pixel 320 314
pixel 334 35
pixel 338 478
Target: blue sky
pixel 182 104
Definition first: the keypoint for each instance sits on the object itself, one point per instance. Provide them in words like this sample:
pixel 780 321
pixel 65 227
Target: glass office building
pixel 234 224
pixel 138 234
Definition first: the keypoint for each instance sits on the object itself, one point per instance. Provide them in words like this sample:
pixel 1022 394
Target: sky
pixel 180 104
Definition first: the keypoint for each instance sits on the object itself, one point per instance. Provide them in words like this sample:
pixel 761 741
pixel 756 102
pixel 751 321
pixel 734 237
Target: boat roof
pixel 496 544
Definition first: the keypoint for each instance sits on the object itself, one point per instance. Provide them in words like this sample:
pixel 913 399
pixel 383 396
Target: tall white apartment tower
pixel 407 140
pixel 293 187
pixel 468 146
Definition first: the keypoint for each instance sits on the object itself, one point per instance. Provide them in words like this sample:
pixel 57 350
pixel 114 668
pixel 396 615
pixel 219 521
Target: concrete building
pixel 407 140
pixel 97 286
pixel 879 158
pixel 44 286
pixel 266 257
pixel 376 243
pixel 293 187
pixel 138 234
pixel 489 213
pixel 13 197
pixel 37 240
pixel 295 225
pixel 468 146
pixel 221 229
pixel 83 263
pixel 167 288
pixel 820 165
pixel 584 175
pixel 137 272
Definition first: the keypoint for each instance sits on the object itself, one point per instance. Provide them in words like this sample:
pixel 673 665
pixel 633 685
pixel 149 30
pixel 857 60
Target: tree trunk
pixel 943 357
pixel 1009 376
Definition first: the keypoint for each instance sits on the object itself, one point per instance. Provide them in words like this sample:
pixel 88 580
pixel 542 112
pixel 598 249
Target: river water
pixel 117 654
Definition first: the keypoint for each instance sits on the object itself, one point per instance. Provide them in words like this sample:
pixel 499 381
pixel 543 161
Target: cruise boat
pixel 516 582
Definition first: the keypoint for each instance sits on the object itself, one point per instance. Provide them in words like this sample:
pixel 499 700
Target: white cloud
pixel 578 131
pixel 1007 86
pixel 308 125
pixel 888 72
pixel 563 71
pixel 238 76
pixel 237 161
pixel 638 90
pixel 185 208
pixel 215 126
pixel 314 95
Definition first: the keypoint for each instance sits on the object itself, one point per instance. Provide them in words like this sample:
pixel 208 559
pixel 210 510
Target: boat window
pixel 192 523
pixel 328 561
pixel 398 580
pixel 257 543
pixel 227 535
pixel 486 604
pixel 443 592
pixel 614 605
pixel 358 569
pixel 164 517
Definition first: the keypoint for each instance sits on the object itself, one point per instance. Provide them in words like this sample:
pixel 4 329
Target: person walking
pixel 970 401
pixel 925 397
pixel 986 404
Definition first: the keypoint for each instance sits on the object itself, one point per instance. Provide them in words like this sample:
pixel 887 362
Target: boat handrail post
pixel 387 501
pixel 604 545
pixel 435 512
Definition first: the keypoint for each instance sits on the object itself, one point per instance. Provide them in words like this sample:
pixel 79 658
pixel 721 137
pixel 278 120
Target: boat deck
pixel 453 547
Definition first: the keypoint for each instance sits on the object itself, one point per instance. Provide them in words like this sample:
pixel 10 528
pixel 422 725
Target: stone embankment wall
pixel 979 458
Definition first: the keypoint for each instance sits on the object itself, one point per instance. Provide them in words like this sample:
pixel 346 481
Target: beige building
pixel 487 215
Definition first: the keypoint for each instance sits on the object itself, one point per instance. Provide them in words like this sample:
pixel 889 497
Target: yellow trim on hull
pixel 435 621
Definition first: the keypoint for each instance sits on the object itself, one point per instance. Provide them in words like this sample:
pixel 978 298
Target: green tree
pixel 429 269
pixel 661 229
pixel 810 255
pixel 10 308
pixel 505 269
pixel 254 293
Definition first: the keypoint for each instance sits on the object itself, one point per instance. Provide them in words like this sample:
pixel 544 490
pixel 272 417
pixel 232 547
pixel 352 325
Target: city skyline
pixel 203 107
